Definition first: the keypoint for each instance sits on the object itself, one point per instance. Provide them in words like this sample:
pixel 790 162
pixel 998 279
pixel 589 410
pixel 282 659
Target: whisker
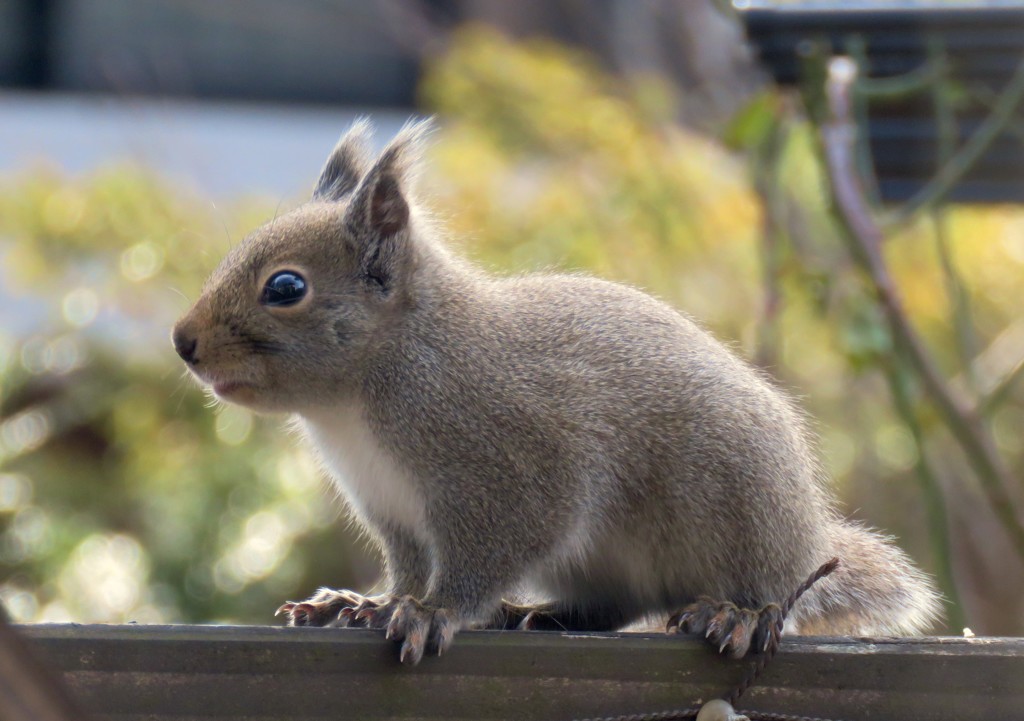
pixel 175 290
pixel 180 391
pixel 276 211
pixel 213 401
pixel 223 223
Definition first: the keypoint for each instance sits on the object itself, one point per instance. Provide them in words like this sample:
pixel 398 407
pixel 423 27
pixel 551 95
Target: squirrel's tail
pixel 876 591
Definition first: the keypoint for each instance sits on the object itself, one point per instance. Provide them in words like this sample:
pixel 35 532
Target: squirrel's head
pixel 292 316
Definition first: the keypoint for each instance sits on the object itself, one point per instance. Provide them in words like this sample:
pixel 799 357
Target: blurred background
pixel 676 146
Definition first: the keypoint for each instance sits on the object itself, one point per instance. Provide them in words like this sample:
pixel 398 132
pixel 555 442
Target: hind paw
pixel 728 627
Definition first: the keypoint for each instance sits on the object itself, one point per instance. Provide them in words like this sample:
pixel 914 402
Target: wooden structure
pixel 236 673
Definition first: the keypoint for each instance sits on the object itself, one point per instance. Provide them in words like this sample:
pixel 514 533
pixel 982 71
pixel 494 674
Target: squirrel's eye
pixel 283 288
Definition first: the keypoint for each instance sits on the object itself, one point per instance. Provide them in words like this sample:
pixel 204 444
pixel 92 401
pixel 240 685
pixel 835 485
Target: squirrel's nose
pixel 185 345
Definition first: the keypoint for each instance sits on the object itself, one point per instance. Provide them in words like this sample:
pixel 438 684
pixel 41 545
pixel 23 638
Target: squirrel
pixel 557 433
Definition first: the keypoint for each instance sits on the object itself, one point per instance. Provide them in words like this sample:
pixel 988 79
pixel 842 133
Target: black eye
pixel 283 288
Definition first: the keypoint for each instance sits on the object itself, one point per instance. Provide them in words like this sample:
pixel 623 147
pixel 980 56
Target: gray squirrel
pixel 553 434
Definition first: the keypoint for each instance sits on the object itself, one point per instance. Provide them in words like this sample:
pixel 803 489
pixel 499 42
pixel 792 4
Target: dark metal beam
pixel 225 672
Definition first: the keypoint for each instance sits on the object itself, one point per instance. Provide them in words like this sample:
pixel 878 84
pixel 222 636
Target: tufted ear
pixel 378 217
pixel 347 163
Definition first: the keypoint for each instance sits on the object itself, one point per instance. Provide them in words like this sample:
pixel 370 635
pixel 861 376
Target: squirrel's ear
pixel 379 213
pixel 347 163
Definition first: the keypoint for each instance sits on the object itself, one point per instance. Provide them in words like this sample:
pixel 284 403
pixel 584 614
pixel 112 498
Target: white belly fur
pixel 366 474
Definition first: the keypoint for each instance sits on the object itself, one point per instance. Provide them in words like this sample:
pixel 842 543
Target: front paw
pixel 419 627
pixel 730 628
pixel 328 607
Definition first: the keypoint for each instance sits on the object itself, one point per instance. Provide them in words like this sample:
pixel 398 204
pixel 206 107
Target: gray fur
pixel 347 163
pixel 558 433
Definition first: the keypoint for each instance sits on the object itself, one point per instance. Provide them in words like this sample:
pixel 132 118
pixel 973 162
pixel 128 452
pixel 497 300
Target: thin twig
pixel 988 98
pixel 767 185
pixel 951 173
pixel 997 368
pixel 899 86
pixel 865 239
pixel 1003 386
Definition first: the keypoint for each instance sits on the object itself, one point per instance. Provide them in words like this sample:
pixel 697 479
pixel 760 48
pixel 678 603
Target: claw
pixel 730 629
pixel 680 622
pixel 773 637
pixel 284 608
pixel 411 653
pixel 302 613
pixel 419 628
pixel 415 636
pixel 394 628
pixel 726 628
pixel 444 626
pixel 742 634
pixel 325 608
pixel 345 618
pixel 677 621
pixel 768 630
pixel 405 619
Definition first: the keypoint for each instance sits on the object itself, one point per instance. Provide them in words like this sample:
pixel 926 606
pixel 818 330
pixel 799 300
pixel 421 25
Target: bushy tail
pixel 876 591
